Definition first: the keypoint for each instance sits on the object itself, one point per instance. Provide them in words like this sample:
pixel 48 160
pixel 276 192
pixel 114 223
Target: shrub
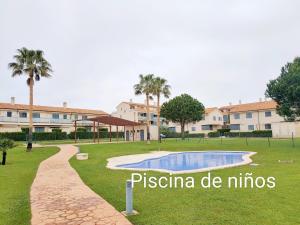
pixel 223 131
pixel 37 136
pixel 214 134
pixel 81 129
pixel 256 133
pixel 56 130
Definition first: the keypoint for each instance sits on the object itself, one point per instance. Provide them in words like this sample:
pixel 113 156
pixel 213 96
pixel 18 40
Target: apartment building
pixel 251 116
pixel 137 112
pixel 14 117
pixel 211 121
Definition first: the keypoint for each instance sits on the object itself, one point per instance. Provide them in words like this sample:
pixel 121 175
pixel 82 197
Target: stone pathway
pixel 59 197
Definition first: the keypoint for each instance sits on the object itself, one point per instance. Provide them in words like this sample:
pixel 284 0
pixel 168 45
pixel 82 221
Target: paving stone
pixel 59 197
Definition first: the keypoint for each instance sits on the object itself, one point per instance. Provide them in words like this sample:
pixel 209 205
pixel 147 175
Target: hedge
pixel 36 136
pixel 90 135
pixel 214 134
pixel 256 133
pixel 186 135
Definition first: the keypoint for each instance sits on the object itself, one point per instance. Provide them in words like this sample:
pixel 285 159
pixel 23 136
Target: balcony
pixel 35 120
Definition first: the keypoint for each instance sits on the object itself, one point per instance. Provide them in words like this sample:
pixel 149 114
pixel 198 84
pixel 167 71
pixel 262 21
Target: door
pixel 142 136
pixel 127 135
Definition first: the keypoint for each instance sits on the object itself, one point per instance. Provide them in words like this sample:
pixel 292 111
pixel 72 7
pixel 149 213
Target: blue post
pixel 129 198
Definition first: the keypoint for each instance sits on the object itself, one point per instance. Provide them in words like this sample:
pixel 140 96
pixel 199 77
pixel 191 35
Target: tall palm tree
pixel 160 87
pixel 145 86
pixel 32 64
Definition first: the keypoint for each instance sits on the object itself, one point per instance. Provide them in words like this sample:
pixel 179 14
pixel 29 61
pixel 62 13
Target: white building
pixel 14 117
pixel 137 112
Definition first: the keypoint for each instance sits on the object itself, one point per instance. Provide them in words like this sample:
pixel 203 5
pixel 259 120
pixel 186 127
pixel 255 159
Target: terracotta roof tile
pixel 52 109
pixel 255 106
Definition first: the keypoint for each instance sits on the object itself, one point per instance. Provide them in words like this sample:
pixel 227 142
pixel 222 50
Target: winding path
pixel 59 197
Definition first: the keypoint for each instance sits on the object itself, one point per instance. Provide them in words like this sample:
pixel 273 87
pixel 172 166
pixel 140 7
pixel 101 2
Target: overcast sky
pixel 216 51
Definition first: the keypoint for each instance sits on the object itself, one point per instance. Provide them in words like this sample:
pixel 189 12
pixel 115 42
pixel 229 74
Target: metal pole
pixel 133 133
pixel 293 139
pixel 129 198
pixel 94 129
pixel 98 134
pixel 117 133
pixel 109 133
pixel 75 134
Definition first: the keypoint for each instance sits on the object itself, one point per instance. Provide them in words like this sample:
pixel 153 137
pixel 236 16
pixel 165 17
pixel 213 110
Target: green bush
pixel 16 136
pixel 223 131
pixel 214 134
pixel 56 130
pixel 25 130
pixel 43 136
pixel 36 136
pixel 256 133
pixel 81 129
pixel 90 135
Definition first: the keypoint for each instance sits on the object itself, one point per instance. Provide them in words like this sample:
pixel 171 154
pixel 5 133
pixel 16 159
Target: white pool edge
pixel 128 159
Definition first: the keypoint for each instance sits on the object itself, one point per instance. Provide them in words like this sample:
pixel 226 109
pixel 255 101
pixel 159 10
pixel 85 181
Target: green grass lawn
pixel 203 206
pixel 15 181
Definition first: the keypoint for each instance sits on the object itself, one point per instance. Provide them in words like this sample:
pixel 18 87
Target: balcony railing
pixel 35 120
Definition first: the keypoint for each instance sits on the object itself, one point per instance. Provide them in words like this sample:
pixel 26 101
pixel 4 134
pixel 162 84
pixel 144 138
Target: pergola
pixel 107 120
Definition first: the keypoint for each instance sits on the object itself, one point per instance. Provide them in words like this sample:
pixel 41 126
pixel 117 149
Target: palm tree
pixel 160 87
pixel 145 86
pixel 32 64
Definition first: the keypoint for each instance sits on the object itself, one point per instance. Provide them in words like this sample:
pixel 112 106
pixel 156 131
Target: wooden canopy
pixel 115 121
pixel 108 120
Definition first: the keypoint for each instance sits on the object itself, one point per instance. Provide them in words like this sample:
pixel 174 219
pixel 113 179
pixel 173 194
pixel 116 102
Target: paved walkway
pixel 59 197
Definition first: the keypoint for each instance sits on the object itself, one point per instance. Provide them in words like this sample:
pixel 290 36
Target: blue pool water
pixel 188 161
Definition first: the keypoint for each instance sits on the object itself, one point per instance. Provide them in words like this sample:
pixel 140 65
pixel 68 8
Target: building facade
pixel 211 121
pixel 137 112
pixel 251 116
pixel 14 117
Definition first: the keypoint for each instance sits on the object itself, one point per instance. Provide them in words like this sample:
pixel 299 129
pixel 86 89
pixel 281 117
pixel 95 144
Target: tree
pixel 183 109
pixel 160 87
pixel 285 91
pixel 32 64
pixel 5 144
pixel 145 86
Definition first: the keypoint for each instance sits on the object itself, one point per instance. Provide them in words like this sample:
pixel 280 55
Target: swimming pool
pixel 181 162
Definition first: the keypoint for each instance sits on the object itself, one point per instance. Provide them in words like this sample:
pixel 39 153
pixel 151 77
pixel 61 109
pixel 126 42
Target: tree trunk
pixel 4 157
pixel 148 119
pixel 158 118
pixel 29 144
pixel 182 131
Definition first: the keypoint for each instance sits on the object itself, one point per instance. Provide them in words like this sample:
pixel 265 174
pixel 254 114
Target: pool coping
pixel 114 162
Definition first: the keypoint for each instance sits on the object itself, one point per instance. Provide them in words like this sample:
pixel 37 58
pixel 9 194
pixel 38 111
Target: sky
pixel 216 51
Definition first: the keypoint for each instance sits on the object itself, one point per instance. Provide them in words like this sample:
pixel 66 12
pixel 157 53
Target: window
pixel 193 128
pixel 268 114
pixel 65 116
pixel 250 127
pixel 225 118
pixel 220 118
pixel 36 115
pixel 214 118
pixel 235 127
pixel 55 116
pixel 76 117
pixel 39 129
pixel 84 117
pixel 8 114
pixel 173 129
pixel 23 114
pixel 268 126
pixel 249 115
pixel 236 116
pixel 206 127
